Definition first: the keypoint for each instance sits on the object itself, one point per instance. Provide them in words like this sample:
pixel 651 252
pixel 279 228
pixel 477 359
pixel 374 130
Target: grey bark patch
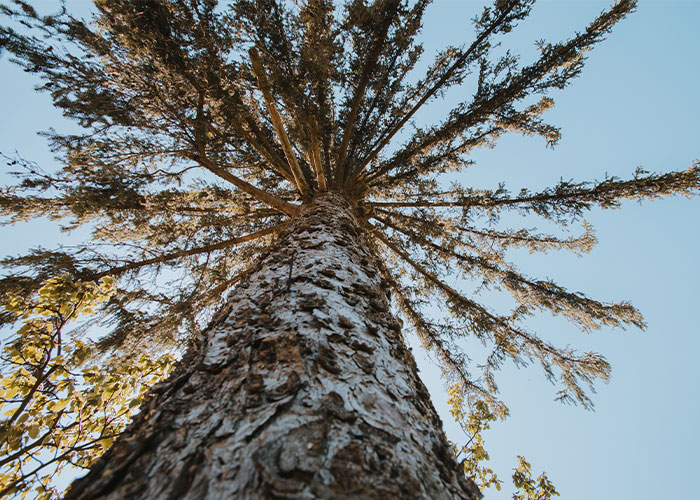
pixel 329 273
pixel 361 346
pixel 364 362
pixel 379 305
pixel 304 450
pixel 312 302
pixel 345 322
pixel 336 338
pixel 328 359
pixel 185 477
pixel 290 386
pixel 334 405
pixel 347 466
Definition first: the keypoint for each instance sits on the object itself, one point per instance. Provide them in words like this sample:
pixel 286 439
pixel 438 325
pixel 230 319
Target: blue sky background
pixel 636 104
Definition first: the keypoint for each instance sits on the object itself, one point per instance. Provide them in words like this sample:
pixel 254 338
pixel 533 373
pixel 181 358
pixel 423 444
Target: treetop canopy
pixel 206 127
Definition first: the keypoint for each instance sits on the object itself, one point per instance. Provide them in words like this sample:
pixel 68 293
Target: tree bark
pixel 302 387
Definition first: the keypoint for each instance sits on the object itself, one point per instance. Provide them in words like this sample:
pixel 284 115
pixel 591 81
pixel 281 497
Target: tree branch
pixel 315 156
pixel 256 139
pixel 260 195
pixel 186 253
pixel 390 9
pixel 264 85
pixel 585 312
pixel 457 64
pixel 566 56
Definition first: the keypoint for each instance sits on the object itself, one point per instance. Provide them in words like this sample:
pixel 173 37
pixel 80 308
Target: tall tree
pixel 255 155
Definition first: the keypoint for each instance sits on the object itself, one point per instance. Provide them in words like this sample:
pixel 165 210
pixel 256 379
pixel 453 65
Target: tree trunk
pixel 301 388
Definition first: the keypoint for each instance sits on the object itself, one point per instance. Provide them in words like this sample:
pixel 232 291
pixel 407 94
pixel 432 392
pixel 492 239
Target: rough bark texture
pixel 301 388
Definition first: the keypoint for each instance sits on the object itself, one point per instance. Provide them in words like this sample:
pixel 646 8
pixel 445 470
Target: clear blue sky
pixel 636 104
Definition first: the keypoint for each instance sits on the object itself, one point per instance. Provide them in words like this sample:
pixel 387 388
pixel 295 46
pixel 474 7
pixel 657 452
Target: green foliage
pixel 60 408
pixel 474 421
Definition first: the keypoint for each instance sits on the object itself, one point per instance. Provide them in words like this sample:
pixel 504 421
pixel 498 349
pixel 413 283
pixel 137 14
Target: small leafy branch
pixel 529 488
pixel 473 422
pixel 59 407
pixel 475 419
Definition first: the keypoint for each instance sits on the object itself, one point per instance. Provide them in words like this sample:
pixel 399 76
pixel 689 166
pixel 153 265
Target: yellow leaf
pixel 61 404
pixel 11 391
pixel 34 431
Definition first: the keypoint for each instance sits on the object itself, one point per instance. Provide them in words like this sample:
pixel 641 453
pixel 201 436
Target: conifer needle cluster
pixel 206 127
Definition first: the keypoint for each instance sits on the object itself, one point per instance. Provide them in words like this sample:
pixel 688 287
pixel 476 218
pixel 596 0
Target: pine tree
pixel 248 176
